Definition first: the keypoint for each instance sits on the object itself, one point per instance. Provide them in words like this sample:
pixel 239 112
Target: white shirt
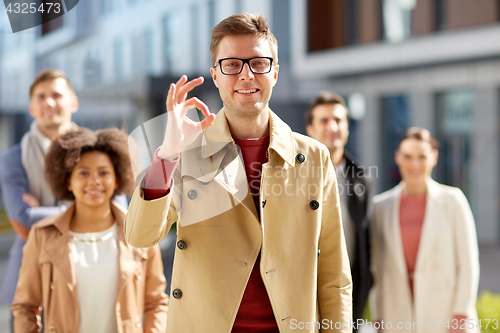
pixel 347 222
pixel 95 256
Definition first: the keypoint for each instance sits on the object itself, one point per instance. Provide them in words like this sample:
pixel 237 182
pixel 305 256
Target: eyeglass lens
pixel 257 65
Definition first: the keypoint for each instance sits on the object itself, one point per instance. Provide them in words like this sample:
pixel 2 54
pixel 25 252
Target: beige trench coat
pixel 446 273
pixel 47 278
pixel 304 263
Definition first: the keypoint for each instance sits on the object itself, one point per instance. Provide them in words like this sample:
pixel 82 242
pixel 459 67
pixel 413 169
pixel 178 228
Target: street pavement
pixel 489 258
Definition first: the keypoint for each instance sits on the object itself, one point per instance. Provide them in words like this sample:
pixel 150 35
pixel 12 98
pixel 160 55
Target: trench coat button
pixel 181 245
pixel 192 194
pixel 314 205
pixel 52 329
pixel 300 158
pixel 52 285
pixel 177 293
pixel 138 322
pixel 138 275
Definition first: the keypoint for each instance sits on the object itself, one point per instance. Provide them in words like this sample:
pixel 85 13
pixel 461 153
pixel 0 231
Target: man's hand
pixel 30 200
pixel 182 131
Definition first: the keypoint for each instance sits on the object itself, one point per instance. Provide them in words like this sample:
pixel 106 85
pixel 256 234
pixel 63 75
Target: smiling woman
pixel 424 246
pixel 81 255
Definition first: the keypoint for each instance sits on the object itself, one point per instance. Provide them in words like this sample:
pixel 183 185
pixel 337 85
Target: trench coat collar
pixel 428 228
pixel 218 136
pixel 59 248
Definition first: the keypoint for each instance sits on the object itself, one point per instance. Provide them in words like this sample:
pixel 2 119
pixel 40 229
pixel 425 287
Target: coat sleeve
pixel 14 183
pixel 148 221
pixel 376 262
pixel 155 299
pixel 28 297
pixel 467 252
pixel 334 274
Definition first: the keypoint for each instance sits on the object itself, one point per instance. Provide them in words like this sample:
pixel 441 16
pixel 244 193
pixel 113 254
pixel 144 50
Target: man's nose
pixel 50 101
pixel 246 73
pixel 334 126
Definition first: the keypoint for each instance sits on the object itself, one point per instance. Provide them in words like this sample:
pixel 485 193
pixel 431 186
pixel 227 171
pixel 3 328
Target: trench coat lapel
pixel 58 248
pixel 431 224
pixel 393 230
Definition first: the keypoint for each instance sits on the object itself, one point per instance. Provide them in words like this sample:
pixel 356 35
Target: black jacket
pixel 359 195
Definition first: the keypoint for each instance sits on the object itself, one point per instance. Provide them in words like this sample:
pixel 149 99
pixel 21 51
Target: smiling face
pixel 329 125
pixel 93 180
pixel 52 104
pixel 416 159
pixel 245 94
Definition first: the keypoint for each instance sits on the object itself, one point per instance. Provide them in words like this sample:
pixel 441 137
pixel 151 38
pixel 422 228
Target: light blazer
pixel 304 263
pixel 447 269
pixel 47 278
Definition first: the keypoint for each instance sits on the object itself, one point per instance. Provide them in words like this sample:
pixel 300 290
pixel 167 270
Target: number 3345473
pixel 32 8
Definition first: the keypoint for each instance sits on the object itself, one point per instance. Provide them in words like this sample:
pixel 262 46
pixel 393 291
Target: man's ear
pixel 31 110
pixel 75 103
pixel 309 130
pixel 213 72
pixel 276 70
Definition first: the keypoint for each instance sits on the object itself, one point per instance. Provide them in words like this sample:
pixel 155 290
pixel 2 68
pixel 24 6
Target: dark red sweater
pixel 255 313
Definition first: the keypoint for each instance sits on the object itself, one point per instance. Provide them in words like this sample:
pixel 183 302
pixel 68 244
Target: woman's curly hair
pixel 64 153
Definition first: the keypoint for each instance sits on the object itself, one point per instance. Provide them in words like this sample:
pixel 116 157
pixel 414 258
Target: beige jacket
pixel 47 278
pixel 304 263
pixel 446 273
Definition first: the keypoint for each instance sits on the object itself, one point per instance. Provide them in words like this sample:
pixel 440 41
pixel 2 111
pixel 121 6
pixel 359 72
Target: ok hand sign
pixel 182 131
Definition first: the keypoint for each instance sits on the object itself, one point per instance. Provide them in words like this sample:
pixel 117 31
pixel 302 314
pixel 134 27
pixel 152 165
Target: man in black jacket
pixel 327 120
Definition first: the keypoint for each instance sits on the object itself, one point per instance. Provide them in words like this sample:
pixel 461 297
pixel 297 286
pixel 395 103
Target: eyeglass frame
pixel 245 61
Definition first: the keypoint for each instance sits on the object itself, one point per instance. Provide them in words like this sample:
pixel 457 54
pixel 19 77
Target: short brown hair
pixel 242 24
pixel 421 134
pixel 48 75
pixel 324 97
pixel 66 150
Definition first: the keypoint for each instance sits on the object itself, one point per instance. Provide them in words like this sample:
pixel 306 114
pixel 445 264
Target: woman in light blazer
pixel 425 253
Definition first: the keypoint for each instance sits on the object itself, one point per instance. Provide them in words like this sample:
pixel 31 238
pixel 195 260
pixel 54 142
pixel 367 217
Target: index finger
pixel 187 87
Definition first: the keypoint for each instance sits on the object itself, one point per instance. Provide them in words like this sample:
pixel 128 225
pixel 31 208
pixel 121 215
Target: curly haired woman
pixel 77 265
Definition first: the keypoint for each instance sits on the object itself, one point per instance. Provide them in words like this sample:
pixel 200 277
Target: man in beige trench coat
pixel 260 244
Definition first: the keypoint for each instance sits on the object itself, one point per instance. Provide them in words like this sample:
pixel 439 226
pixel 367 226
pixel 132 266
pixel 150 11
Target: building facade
pixel 399 63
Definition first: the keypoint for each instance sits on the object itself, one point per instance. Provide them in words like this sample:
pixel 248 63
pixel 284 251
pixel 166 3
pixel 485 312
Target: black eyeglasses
pixel 234 66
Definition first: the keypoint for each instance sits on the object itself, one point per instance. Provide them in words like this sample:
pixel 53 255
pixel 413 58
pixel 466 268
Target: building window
pixel 395 121
pixel 106 6
pixel 148 39
pixel 397 16
pixel 339 23
pixel 92 68
pixel 171 29
pixel 455 126
pixel 118 59
pixel 138 54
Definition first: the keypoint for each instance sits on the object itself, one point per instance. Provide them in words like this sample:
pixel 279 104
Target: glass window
pixel 455 125
pixel 149 36
pixel 171 29
pixel 395 121
pixel 397 19
pixel 118 59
